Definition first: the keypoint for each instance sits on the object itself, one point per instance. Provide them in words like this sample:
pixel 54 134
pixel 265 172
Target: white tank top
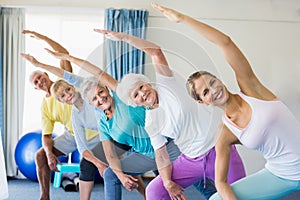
pixel 275 132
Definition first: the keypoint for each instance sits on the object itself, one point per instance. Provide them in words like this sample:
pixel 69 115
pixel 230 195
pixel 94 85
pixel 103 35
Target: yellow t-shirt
pixel 90 134
pixel 53 111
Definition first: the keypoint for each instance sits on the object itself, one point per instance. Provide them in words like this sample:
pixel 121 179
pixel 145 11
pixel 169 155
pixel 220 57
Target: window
pixel 73 29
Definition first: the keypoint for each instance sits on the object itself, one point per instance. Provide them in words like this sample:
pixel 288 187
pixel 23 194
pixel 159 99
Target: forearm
pixel 144 45
pixel 164 165
pixel 89 156
pixel 47 143
pixel 112 157
pixel 115 165
pixel 54 45
pixel 206 31
pixel 54 70
pixel 225 191
pixel 103 77
pixel 158 58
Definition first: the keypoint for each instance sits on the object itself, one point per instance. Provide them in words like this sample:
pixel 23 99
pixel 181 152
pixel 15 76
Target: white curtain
pixel 3 179
pixel 13 78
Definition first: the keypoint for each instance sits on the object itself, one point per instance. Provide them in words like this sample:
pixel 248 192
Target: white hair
pixel 33 74
pixel 127 84
pixel 88 84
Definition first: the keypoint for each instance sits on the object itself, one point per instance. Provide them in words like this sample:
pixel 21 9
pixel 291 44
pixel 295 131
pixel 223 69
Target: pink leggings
pixel 187 171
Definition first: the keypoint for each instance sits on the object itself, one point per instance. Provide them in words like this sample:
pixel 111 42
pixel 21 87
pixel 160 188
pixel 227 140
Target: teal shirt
pixel 126 127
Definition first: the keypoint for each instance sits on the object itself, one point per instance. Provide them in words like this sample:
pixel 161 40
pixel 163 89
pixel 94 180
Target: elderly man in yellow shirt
pixel 52 111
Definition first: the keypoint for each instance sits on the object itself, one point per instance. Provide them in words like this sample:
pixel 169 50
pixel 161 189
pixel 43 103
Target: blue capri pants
pixel 262 185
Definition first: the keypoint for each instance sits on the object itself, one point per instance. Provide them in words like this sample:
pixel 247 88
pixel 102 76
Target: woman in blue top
pixel 121 123
pixel 85 128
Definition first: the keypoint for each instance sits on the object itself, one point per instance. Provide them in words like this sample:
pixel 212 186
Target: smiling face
pixel 210 90
pixel 143 94
pixel 67 95
pixel 41 81
pixel 64 92
pixel 99 97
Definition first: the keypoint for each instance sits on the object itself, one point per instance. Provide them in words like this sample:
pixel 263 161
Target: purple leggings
pixel 187 171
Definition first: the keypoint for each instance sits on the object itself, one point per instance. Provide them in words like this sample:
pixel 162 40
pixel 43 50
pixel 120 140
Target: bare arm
pixel 223 150
pixel 129 182
pixel 158 59
pixel 165 170
pixel 247 80
pixel 47 143
pixel 88 155
pixel 103 77
pixel 54 70
pixel 64 64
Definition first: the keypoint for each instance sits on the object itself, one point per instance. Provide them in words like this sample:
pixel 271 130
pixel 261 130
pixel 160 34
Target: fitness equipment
pixel 25 151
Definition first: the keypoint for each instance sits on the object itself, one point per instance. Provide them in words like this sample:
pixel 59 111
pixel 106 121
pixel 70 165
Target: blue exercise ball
pixel 25 151
pixel 75 157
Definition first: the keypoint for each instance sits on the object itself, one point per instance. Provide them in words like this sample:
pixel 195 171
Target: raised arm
pixel 54 70
pixel 64 64
pixel 248 82
pixel 103 77
pixel 158 59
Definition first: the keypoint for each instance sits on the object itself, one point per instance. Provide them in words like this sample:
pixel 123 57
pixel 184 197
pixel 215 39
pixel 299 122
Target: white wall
pixel 267 31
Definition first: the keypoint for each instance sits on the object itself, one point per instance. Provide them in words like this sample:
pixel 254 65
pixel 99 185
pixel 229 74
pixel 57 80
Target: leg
pixel 85 189
pixel 43 172
pixel 262 185
pixel 236 172
pixel 133 164
pixel 142 187
pixel 112 185
pixel 207 188
pixel 185 178
pixel 86 177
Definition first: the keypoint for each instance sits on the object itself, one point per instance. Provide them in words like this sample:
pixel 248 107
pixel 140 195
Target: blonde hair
pixel 57 86
pixel 190 84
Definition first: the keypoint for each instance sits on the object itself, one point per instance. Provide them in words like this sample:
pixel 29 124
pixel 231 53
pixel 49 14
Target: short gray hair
pixel 127 84
pixel 34 73
pixel 88 84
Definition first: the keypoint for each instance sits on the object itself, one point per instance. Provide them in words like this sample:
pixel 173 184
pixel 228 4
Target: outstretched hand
pixel 115 36
pixel 171 14
pixel 30 58
pixel 33 34
pixel 58 55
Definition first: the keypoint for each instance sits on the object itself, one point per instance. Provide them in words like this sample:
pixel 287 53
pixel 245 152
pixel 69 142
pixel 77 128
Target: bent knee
pixel 40 155
pixel 109 174
pixel 156 190
pixel 216 196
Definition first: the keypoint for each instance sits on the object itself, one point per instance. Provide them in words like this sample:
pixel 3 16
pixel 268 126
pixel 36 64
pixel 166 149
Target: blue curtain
pixel 1 80
pixel 122 58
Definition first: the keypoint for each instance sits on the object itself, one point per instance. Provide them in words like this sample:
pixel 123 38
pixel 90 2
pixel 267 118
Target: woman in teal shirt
pixel 121 123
